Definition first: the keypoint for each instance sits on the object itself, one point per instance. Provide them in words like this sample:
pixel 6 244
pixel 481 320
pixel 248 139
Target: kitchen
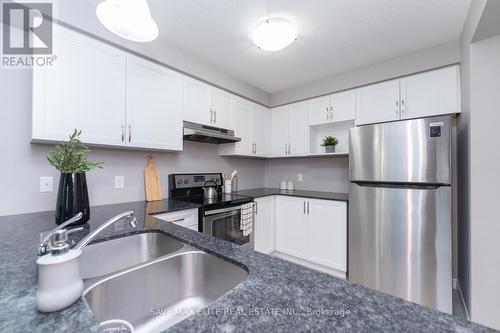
pixel 306 237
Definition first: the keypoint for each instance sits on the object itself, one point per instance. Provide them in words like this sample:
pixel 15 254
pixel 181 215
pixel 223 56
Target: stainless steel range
pixel 222 215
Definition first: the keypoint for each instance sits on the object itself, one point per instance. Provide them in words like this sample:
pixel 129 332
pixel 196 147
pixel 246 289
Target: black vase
pixel 72 198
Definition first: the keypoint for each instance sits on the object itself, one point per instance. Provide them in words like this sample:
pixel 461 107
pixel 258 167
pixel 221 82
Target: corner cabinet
pixel 250 124
pixel 431 93
pixel 313 230
pixel 132 102
pixel 85 90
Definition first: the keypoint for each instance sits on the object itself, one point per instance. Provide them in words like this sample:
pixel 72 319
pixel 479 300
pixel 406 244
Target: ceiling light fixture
pixel 129 19
pixel 274 34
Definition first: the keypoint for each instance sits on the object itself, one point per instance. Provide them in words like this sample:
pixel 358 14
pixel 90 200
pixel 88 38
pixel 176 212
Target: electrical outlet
pixel 46 184
pixel 300 177
pixel 119 182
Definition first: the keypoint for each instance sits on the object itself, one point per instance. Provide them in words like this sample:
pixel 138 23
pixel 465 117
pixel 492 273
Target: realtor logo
pixel 27 34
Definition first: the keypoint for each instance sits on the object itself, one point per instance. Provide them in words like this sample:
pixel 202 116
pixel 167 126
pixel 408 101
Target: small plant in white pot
pixel 329 142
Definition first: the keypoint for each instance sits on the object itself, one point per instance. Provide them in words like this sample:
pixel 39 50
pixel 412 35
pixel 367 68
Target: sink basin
pixel 106 257
pixel 156 296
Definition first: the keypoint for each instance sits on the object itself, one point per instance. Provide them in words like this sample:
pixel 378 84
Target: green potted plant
pixel 329 142
pixel 71 159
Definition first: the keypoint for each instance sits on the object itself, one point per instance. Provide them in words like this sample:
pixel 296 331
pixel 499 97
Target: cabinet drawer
pixel 184 218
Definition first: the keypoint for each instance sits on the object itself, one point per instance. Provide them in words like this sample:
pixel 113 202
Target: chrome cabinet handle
pixel 402 107
pixel 397 109
pixel 289 148
pixel 129 133
pixel 327 113
pixel 256 208
pixel 308 208
pixel 255 144
pixel 123 133
pixel 286 144
pixel 331 113
pixel 304 207
pixel 211 116
pixel 215 116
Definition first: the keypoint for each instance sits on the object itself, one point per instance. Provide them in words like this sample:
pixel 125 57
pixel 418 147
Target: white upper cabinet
pixel 298 131
pixel 197 102
pixel 278 131
pixel 241 112
pixel 221 108
pixel 154 106
pixel 377 103
pixel 85 90
pixel 430 93
pixel 333 108
pixel 207 105
pixel 327 233
pixel 343 106
pixel 319 110
pixel 258 129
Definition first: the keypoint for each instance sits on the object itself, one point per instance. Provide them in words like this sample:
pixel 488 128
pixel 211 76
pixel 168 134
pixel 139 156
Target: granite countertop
pixel 267 191
pixel 277 296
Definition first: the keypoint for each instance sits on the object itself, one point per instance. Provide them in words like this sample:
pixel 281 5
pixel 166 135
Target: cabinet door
pixel 319 110
pixel 221 106
pixel 265 225
pixel 278 131
pixel 241 111
pixel 298 131
pixel 343 106
pixel 154 106
pixel 327 233
pixel 259 128
pixel 197 102
pixel 431 93
pixel 85 90
pixel 291 228
pixel 377 103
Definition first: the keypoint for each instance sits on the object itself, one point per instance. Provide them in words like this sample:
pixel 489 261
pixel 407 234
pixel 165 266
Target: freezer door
pixel 400 242
pixel 410 151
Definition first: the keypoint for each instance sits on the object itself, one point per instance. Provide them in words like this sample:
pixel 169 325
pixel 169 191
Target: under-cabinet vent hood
pixel 209 134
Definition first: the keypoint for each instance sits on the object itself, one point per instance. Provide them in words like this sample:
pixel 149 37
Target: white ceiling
pixel 335 36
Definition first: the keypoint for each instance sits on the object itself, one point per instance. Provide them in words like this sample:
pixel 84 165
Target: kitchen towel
pixel 247 216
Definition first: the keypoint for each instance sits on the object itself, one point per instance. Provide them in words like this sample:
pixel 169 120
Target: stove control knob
pixel 186 181
pixel 179 181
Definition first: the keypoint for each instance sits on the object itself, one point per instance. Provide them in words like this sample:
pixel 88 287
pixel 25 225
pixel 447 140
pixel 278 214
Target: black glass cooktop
pixel 222 200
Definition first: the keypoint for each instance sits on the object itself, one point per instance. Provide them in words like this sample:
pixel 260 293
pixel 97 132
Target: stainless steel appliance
pixel 220 215
pixel 400 209
pixel 208 134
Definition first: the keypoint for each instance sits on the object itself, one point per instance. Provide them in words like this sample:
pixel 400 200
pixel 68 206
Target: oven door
pixel 225 224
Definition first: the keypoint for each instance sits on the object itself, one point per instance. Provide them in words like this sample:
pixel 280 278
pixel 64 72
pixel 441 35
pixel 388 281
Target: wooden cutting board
pixel 152 180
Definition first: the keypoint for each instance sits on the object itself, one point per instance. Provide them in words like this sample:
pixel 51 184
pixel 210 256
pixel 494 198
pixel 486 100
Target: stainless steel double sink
pixel 148 282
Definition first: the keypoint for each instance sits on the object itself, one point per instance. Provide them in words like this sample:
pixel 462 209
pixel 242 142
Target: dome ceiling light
pixel 274 34
pixel 129 19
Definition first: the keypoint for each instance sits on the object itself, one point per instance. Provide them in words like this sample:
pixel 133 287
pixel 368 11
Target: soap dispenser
pixel 59 280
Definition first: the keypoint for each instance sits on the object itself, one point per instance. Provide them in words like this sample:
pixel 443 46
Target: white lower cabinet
pixel 185 218
pixel 312 230
pixel 265 225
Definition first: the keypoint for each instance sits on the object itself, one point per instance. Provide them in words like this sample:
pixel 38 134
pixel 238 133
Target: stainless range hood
pixel 208 134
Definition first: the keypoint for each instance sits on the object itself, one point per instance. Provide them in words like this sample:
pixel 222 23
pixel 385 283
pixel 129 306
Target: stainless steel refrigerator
pixel 400 209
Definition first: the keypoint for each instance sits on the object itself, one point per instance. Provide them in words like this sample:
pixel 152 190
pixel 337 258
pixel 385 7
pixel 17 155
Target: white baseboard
pixel 311 265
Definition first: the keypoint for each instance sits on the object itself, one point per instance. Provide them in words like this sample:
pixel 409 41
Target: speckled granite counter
pixel 277 296
pixel 267 191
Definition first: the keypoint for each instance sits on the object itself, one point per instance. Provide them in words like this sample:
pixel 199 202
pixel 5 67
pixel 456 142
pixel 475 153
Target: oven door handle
pixel 223 210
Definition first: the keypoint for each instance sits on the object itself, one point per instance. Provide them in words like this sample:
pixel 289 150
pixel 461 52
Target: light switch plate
pixel 300 177
pixel 46 184
pixel 119 182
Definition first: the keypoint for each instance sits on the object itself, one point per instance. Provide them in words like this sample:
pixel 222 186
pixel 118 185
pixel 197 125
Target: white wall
pixel 23 163
pixel 485 182
pixel 319 174
pixel 438 56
